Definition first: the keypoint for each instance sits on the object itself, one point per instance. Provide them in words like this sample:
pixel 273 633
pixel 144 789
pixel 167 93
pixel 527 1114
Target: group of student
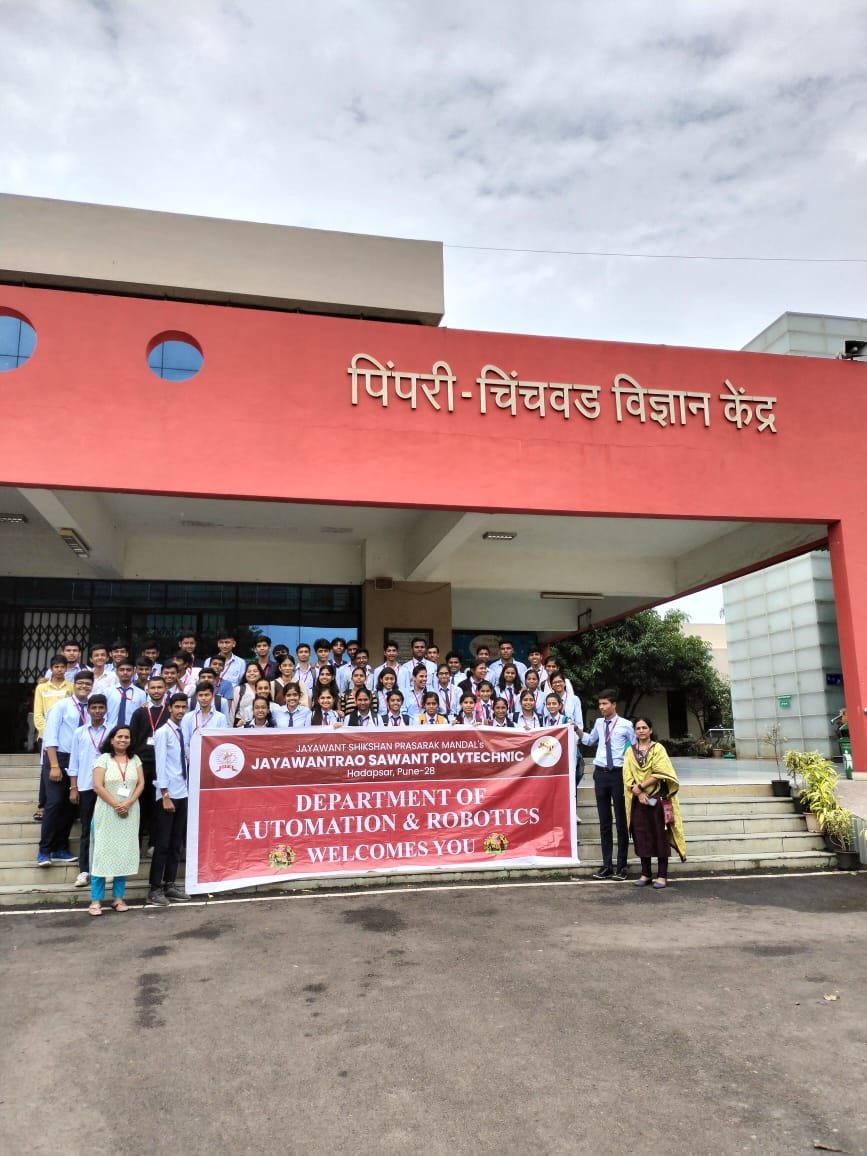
pixel 81 709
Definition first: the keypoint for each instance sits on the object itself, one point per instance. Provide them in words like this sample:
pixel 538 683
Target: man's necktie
pixel 184 760
pixel 609 757
pixel 121 718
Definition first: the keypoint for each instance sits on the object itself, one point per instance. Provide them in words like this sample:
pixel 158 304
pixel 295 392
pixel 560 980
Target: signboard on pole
pixel 269 806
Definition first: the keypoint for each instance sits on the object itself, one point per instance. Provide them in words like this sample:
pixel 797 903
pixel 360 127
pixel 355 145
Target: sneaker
pixel 604 873
pixel 174 892
pixel 63 857
pixel 82 879
pixel 158 898
pixel 620 874
pixel 43 860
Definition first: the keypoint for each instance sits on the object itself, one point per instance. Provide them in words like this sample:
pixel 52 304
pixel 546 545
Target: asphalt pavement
pixel 721 1016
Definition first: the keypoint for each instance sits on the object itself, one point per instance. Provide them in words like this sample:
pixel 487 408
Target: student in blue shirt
pixel 611 735
pixel 61 723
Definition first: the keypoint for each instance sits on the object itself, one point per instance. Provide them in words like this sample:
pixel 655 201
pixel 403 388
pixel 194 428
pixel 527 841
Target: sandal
pixel 95 908
pixel 37 815
pixel 119 905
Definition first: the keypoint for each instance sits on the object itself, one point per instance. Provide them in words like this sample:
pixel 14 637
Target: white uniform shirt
pixel 86 749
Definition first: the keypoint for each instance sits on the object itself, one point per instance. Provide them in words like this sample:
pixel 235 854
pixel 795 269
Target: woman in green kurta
pixel 649 778
pixel 118 780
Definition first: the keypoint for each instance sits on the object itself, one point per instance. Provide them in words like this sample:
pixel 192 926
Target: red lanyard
pixel 96 745
pixel 200 719
pixel 154 725
pixel 81 707
pixel 123 770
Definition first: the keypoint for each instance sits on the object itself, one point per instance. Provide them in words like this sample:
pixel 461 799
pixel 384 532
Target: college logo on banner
pixel 295 804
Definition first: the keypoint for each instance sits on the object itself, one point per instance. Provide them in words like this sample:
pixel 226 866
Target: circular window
pixel 174 357
pixel 17 340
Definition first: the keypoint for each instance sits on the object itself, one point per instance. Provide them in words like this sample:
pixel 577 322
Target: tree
pixel 643 655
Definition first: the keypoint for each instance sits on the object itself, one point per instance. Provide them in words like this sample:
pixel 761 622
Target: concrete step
pixel 25 873
pixel 25 783
pixel 743 825
pixel 24 848
pixel 783 842
pixel 695 808
pixel 18 759
pixel 18 808
pixel 20 827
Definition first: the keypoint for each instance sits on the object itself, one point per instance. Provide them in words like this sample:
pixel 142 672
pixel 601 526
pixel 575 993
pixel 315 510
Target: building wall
pixel 781 623
pixel 782 641
pixel 420 606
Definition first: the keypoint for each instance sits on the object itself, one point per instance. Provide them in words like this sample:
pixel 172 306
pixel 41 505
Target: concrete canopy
pixel 610 566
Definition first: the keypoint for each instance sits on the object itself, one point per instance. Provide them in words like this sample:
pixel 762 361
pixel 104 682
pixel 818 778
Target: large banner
pixel 273 805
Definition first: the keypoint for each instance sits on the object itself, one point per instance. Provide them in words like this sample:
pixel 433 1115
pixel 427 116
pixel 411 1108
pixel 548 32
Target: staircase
pixel 730 827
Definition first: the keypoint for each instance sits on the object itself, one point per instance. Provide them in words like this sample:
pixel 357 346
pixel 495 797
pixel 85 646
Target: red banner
pixel 274 805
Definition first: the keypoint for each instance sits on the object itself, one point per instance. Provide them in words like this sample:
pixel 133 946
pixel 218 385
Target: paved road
pixel 557 1018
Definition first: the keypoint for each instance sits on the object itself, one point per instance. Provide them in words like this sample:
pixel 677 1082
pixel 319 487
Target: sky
pixel 540 141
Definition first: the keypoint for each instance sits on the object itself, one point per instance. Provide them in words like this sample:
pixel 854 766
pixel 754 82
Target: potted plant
pixel 813 779
pixel 838 826
pixel 774 738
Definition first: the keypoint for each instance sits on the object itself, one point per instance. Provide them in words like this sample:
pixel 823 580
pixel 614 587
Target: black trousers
pixel 59 813
pixel 86 805
pixel 148 801
pixel 167 834
pixel 609 793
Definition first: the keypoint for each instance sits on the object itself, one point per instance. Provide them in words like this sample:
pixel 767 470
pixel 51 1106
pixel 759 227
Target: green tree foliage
pixel 643 655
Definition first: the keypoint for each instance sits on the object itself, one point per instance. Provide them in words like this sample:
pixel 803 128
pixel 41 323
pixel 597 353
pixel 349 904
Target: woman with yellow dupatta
pixel 650 785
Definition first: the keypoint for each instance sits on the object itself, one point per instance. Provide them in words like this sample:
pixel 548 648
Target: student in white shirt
pixel 407 671
pixel 292 713
pixel 507 655
pixel 467 715
pixel 386 682
pixel 431 716
pixel 508 685
pixel 413 695
pixel 502 714
pixel 261 717
pixel 104 677
pixel 449 695
pixel 395 716
pixel 124 698
pixel 204 715
pixel 531 683
pixel 233 671
pixel 86 748
pixel 361 715
pixel 304 672
pixel 570 704
pixel 325 713
pixel 172 763
pixel 527 718
pixel 389 662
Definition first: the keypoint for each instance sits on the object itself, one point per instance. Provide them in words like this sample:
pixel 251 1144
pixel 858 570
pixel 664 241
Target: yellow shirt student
pixel 47 694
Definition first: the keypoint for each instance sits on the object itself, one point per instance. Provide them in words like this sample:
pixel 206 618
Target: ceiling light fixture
pixel 75 542
pixel 568 594
pixel 499 535
pixel 12 520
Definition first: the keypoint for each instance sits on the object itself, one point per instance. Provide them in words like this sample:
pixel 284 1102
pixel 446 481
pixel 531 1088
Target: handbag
pixel 667 811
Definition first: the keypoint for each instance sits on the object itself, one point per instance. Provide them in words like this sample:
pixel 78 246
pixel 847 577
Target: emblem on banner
pixel 226 761
pixel 546 751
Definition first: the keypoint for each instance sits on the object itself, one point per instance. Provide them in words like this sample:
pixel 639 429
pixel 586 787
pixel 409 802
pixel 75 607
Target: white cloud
pixel 732 128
